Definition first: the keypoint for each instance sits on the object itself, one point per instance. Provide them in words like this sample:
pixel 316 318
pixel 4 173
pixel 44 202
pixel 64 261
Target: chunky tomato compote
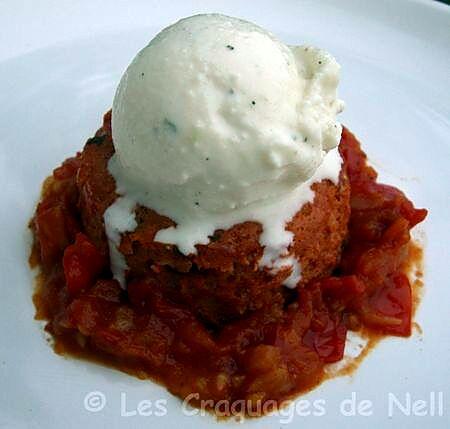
pixel 267 354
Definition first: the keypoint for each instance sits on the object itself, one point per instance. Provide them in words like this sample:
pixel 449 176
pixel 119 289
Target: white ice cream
pixel 216 122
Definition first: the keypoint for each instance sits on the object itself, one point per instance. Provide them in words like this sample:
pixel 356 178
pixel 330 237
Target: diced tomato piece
pixel 108 290
pixel 146 341
pixel 397 233
pixel 55 228
pixel 82 263
pixel 324 332
pixel 379 263
pixel 416 216
pixel 389 308
pixel 343 288
pixel 375 207
pixel 89 314
pixel 355 158
pixel 329 342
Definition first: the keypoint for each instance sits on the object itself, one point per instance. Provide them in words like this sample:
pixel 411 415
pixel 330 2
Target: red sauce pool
pixel 260 359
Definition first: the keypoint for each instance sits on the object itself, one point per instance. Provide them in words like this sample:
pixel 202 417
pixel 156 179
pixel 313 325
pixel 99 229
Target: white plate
pixel 59 65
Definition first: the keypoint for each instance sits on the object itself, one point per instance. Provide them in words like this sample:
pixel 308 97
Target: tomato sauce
pixel 261 357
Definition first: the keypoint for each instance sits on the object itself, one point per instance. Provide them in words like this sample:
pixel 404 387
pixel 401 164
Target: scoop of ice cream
pixel 216 114
pixel 216 123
